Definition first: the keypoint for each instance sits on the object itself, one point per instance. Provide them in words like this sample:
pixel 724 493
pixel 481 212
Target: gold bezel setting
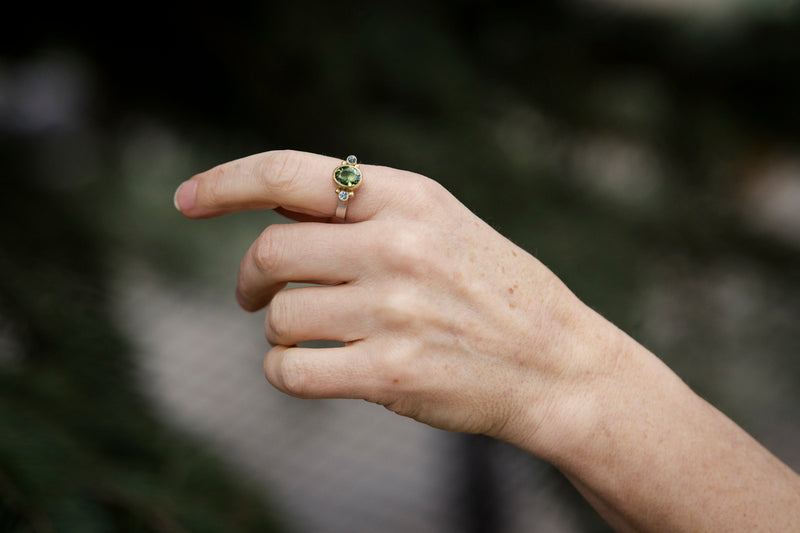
pixel 345 188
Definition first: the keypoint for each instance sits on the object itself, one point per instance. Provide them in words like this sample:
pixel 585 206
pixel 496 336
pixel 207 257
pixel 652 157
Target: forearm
pixel 651 455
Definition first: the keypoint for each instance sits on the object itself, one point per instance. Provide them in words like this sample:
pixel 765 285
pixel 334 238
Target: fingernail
pixel 184 196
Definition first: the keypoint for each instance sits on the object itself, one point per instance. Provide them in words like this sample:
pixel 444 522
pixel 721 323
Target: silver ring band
pixel 341 210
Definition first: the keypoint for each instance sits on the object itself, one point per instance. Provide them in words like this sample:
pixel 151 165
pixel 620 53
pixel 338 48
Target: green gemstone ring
pixel 347 178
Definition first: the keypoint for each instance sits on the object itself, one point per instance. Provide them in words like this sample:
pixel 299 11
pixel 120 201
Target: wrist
pixel 590 359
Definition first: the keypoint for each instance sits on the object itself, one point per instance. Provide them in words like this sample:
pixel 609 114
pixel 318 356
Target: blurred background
pixel 648 152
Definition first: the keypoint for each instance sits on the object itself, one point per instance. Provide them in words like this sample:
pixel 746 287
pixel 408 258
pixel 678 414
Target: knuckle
pixel 425 193
pixel 214 189
pixel 405 249
pixel 399 310
pixel 269 249
pixel 294 378
pixel 278 320
pixel 281 167
pixel 401 369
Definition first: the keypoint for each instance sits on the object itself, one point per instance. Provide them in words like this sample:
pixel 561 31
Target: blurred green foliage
pixel 80 448
pixel 519 111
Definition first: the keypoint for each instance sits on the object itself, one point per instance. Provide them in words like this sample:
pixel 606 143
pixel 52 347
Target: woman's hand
pixel 446 321
pixel 442 319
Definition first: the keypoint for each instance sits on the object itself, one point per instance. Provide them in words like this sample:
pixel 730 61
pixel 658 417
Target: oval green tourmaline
pixel 347 176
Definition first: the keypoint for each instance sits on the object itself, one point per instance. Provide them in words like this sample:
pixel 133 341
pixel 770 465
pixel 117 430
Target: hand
pixel 442 319
pixel 446 321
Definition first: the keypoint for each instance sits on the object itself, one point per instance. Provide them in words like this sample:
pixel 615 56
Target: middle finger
pixel 305 253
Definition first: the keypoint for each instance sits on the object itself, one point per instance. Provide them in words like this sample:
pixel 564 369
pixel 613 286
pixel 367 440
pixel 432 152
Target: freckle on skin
pixel 395 380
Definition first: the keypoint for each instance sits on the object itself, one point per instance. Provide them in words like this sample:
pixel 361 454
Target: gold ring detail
pixel 347 177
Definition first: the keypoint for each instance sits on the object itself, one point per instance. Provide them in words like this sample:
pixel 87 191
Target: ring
pixel 347 178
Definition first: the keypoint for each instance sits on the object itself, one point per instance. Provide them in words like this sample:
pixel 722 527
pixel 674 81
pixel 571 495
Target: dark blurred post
pixel 478 503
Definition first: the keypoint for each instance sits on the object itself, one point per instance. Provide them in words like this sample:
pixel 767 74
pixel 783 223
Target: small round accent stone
pixel 344 196
pixel 347 176
pixel 351 159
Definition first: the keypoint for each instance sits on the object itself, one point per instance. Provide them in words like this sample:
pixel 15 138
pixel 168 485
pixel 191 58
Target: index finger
pixel 299 182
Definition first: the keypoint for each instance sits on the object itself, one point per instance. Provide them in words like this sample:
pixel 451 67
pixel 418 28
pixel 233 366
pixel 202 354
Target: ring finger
pixel 338 313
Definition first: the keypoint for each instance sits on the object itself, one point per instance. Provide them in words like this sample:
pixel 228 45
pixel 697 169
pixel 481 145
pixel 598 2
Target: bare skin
pixel 445 321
